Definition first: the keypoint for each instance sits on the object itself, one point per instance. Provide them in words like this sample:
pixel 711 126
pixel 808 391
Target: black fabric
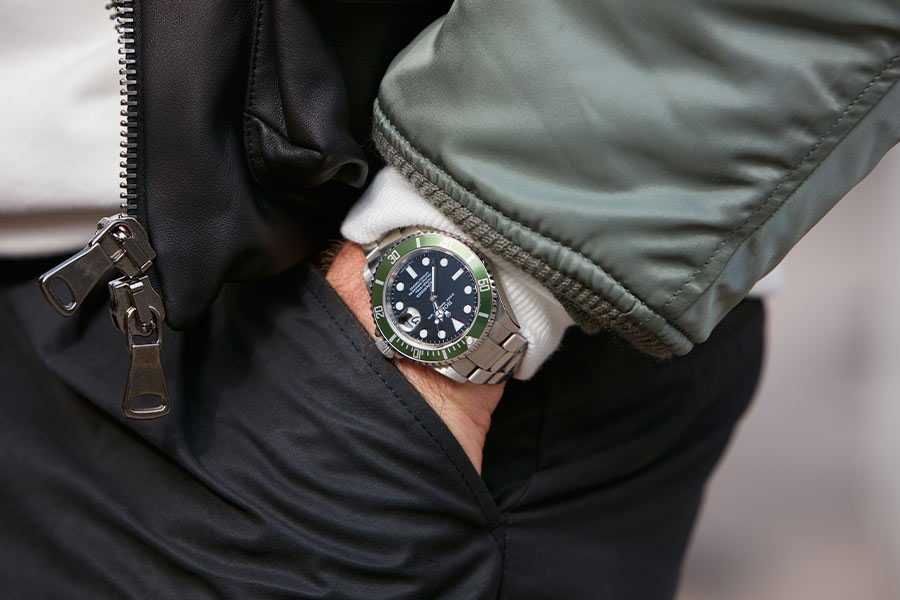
pixel 599 463
pixel 298 463
pixel 252 116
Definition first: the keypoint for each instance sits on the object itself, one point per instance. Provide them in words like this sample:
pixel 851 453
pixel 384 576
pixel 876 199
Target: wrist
pixel 464 407
pixel 391 202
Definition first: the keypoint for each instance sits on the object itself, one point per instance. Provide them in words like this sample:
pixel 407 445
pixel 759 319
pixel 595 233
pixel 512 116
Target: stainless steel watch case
pixel 493 356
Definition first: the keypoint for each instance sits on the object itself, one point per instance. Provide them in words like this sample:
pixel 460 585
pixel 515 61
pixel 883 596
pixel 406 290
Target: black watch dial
pixel 433 298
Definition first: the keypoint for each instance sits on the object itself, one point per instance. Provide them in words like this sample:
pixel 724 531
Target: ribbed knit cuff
pixel 391 202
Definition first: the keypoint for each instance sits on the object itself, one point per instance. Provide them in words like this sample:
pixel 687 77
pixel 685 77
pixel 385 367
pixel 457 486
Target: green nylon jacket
pixel 647 161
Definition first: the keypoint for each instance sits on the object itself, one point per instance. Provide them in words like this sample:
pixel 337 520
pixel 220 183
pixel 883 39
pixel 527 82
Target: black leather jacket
pixel 251 125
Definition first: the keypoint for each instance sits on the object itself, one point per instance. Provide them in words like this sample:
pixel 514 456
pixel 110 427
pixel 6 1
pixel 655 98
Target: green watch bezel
pixel 436 355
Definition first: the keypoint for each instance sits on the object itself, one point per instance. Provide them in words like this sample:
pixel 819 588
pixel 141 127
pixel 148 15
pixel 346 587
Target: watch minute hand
pixel 437 311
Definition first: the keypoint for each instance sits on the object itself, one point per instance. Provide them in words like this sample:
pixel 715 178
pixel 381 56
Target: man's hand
pixel 464 407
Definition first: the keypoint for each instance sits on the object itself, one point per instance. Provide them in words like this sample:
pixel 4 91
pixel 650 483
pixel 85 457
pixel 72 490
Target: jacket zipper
pixel 121 242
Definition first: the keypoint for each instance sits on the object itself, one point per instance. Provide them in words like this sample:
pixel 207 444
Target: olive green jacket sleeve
pixel 647 161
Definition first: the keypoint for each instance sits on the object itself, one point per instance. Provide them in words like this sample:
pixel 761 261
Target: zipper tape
pixel 124 17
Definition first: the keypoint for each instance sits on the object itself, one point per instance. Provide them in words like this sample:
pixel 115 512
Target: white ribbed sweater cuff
pixel 391 202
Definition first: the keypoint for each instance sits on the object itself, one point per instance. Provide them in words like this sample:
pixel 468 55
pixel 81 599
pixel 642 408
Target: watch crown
pixel 385 348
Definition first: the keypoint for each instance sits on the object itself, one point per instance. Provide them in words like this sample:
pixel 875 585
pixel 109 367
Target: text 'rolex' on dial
pixel 435 302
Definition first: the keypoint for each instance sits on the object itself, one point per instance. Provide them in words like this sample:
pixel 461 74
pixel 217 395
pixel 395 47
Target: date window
pixel 409 319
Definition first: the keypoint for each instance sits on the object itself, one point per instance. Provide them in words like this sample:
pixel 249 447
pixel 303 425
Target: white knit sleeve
pixel 391 202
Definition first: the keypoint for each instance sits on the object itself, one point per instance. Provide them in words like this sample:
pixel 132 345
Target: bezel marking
pixel 486 300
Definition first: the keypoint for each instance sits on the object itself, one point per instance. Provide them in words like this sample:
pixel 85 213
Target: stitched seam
pixel 250 100
pixel 505 570
pixel 781 183
pixel 408 409
pixel 254 67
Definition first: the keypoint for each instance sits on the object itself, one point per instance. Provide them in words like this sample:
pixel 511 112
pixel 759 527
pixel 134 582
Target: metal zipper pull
pixel 120 242
pixel 137 310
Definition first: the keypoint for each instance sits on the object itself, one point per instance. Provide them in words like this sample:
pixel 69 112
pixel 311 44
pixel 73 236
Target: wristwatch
pixel 435 303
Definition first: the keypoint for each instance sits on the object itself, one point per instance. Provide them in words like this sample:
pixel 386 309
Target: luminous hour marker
pixel 442 334
pixel 467 309
pixel 423 333
pixel 426 261
pixel 467 290
pixel 399 306
pixel 400 286
pixel 456 324
pixel 456 276
pixel 444 262
pixel 412 273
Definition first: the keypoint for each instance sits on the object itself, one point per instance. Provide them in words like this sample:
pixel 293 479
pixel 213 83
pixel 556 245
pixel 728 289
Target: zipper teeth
pixel 128 80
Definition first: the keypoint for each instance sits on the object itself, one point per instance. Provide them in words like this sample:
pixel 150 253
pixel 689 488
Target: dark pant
pixel 298 463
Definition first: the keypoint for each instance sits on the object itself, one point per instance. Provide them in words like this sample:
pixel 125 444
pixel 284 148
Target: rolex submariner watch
pixel 436 303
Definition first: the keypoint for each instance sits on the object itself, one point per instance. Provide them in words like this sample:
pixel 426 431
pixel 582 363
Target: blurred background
pixel 806 503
